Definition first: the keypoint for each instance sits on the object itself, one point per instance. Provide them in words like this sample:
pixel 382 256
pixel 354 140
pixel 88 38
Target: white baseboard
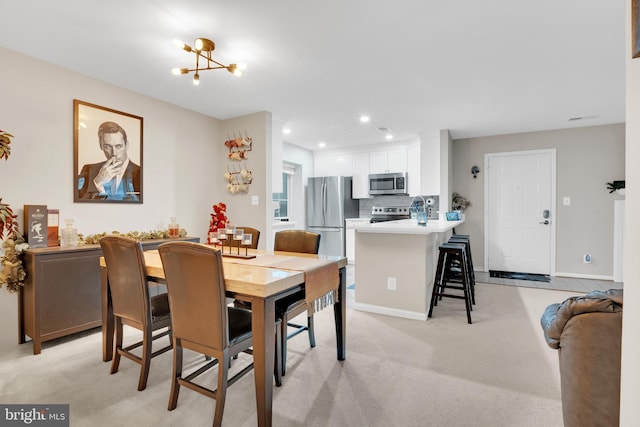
pixel 390 311
pixel 583 276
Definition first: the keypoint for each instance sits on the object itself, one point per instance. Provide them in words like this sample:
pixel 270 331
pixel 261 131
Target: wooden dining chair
pixel 202 322
pixel 255 233
pixel 300 241
pixel 132 306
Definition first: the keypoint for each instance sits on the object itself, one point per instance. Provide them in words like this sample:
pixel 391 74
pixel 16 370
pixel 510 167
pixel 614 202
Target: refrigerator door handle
pixel 324 202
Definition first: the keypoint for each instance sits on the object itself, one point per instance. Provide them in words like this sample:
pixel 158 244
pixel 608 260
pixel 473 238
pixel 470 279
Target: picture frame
pixel 107 155
pixel 635 23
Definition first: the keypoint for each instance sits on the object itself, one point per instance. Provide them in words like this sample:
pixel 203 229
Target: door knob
pixel 545 222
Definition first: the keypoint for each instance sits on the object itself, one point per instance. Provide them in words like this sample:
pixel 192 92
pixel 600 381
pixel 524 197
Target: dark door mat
pixel 519 276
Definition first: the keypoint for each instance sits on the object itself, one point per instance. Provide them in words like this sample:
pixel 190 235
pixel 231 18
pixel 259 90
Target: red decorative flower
pixel 218 219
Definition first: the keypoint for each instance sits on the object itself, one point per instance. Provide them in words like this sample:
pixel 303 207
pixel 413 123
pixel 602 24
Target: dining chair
pixel 202 322
pixel 132 305
pixel 300 241
pixel 255 233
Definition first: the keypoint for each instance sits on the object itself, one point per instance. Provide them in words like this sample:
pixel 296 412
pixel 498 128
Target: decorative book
pixel 53 227
pixel 35 225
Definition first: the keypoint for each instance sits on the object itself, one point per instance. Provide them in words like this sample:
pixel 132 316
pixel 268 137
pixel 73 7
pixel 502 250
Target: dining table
pixel 260 278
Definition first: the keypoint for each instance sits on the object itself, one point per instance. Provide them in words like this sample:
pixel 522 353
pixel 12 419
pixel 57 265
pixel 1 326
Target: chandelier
pixel 203 50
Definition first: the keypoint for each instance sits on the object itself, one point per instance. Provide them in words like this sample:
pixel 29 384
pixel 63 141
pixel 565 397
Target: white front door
pixel 520 225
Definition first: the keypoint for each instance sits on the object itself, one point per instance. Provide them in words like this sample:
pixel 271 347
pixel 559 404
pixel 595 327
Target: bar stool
pixel 463 238
pixel 447 253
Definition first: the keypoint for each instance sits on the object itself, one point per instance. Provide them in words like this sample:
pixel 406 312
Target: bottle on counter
pixel 69 235
pixel 174 228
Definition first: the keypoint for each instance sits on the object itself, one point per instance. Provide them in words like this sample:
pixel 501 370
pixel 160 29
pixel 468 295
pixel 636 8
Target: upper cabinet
pixel 341 165
pixel 414 177
pixel 361 176
pixel 388 161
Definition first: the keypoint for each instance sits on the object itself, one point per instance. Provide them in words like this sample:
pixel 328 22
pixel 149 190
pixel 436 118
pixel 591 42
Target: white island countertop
pixel 407 226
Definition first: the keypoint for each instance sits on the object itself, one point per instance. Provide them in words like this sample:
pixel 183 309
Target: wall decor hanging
pixel 238 179
pixel 239 146
pixel 107 155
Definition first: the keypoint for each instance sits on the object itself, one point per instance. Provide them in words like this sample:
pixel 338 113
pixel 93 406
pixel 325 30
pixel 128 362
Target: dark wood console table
pixel 62 291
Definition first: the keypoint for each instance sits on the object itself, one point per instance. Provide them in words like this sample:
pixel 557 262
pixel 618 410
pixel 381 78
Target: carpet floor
pixel 497 372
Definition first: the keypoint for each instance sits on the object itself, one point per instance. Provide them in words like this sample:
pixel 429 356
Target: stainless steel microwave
pixel 388 183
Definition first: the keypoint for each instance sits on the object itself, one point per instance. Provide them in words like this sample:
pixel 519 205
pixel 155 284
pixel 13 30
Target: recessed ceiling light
pixel 388 136
pixel 286 131
pixel 364 119
pixel 321 144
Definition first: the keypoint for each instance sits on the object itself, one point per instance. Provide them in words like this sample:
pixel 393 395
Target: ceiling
pixel 477 68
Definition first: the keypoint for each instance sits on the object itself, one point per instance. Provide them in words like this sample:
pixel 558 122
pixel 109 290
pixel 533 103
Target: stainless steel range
pixel 389 213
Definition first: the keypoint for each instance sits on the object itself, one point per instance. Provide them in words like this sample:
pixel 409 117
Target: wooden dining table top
pixel 260 276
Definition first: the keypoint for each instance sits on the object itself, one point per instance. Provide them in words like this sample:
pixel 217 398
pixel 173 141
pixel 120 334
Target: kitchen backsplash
pixel 396 200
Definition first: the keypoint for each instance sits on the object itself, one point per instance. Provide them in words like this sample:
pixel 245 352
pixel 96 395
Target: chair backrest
pixel 254 232
pixel 195 284
pixel 301 241
pixel 127 275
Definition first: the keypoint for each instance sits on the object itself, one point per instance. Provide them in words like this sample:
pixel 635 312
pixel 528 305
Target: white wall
pixel 630 387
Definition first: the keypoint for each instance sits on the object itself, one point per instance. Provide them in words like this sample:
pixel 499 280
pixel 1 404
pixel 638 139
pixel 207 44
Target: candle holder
pixel 235 237
pixel 229 232
pixel 247 240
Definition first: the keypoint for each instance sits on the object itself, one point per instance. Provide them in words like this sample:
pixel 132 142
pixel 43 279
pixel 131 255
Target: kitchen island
pixel 396 266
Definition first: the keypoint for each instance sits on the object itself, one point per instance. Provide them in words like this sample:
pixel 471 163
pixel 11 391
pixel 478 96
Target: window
pixel 282 201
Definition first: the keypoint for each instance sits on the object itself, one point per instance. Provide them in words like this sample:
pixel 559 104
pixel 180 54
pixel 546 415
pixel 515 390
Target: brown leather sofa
pixel 587 332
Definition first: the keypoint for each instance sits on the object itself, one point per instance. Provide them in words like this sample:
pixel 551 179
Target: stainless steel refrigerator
pixel 329 202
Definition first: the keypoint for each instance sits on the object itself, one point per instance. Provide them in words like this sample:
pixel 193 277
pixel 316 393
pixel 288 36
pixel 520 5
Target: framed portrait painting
pixel 107 155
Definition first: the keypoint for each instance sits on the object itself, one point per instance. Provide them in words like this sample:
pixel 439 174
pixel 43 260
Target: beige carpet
pixel 398 372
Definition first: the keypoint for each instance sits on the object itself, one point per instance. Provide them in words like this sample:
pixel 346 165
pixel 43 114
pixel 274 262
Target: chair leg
pixel 147 343
pixel 312 334
pixel 221 392
pixel 436 284
pixel 117 345
pixel 177 373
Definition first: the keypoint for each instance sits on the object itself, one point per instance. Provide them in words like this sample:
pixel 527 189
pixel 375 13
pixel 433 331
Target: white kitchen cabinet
pixel 361 176
pixel 413 170
pixel 388 161
pixel 341 165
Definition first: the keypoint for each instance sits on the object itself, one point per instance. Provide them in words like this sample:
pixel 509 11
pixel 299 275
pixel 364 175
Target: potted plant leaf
pixel 12 273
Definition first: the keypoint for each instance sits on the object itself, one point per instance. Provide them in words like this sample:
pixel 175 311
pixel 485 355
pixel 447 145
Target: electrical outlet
pixel 587 259
pixel 391 283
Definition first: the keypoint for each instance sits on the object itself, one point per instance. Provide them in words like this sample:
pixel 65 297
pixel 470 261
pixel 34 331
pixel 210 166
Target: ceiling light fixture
pixel 203 50
pixel 364 119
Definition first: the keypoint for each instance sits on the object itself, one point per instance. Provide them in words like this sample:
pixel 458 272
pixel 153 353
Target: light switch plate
pixel 254 200
pixel 566 201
